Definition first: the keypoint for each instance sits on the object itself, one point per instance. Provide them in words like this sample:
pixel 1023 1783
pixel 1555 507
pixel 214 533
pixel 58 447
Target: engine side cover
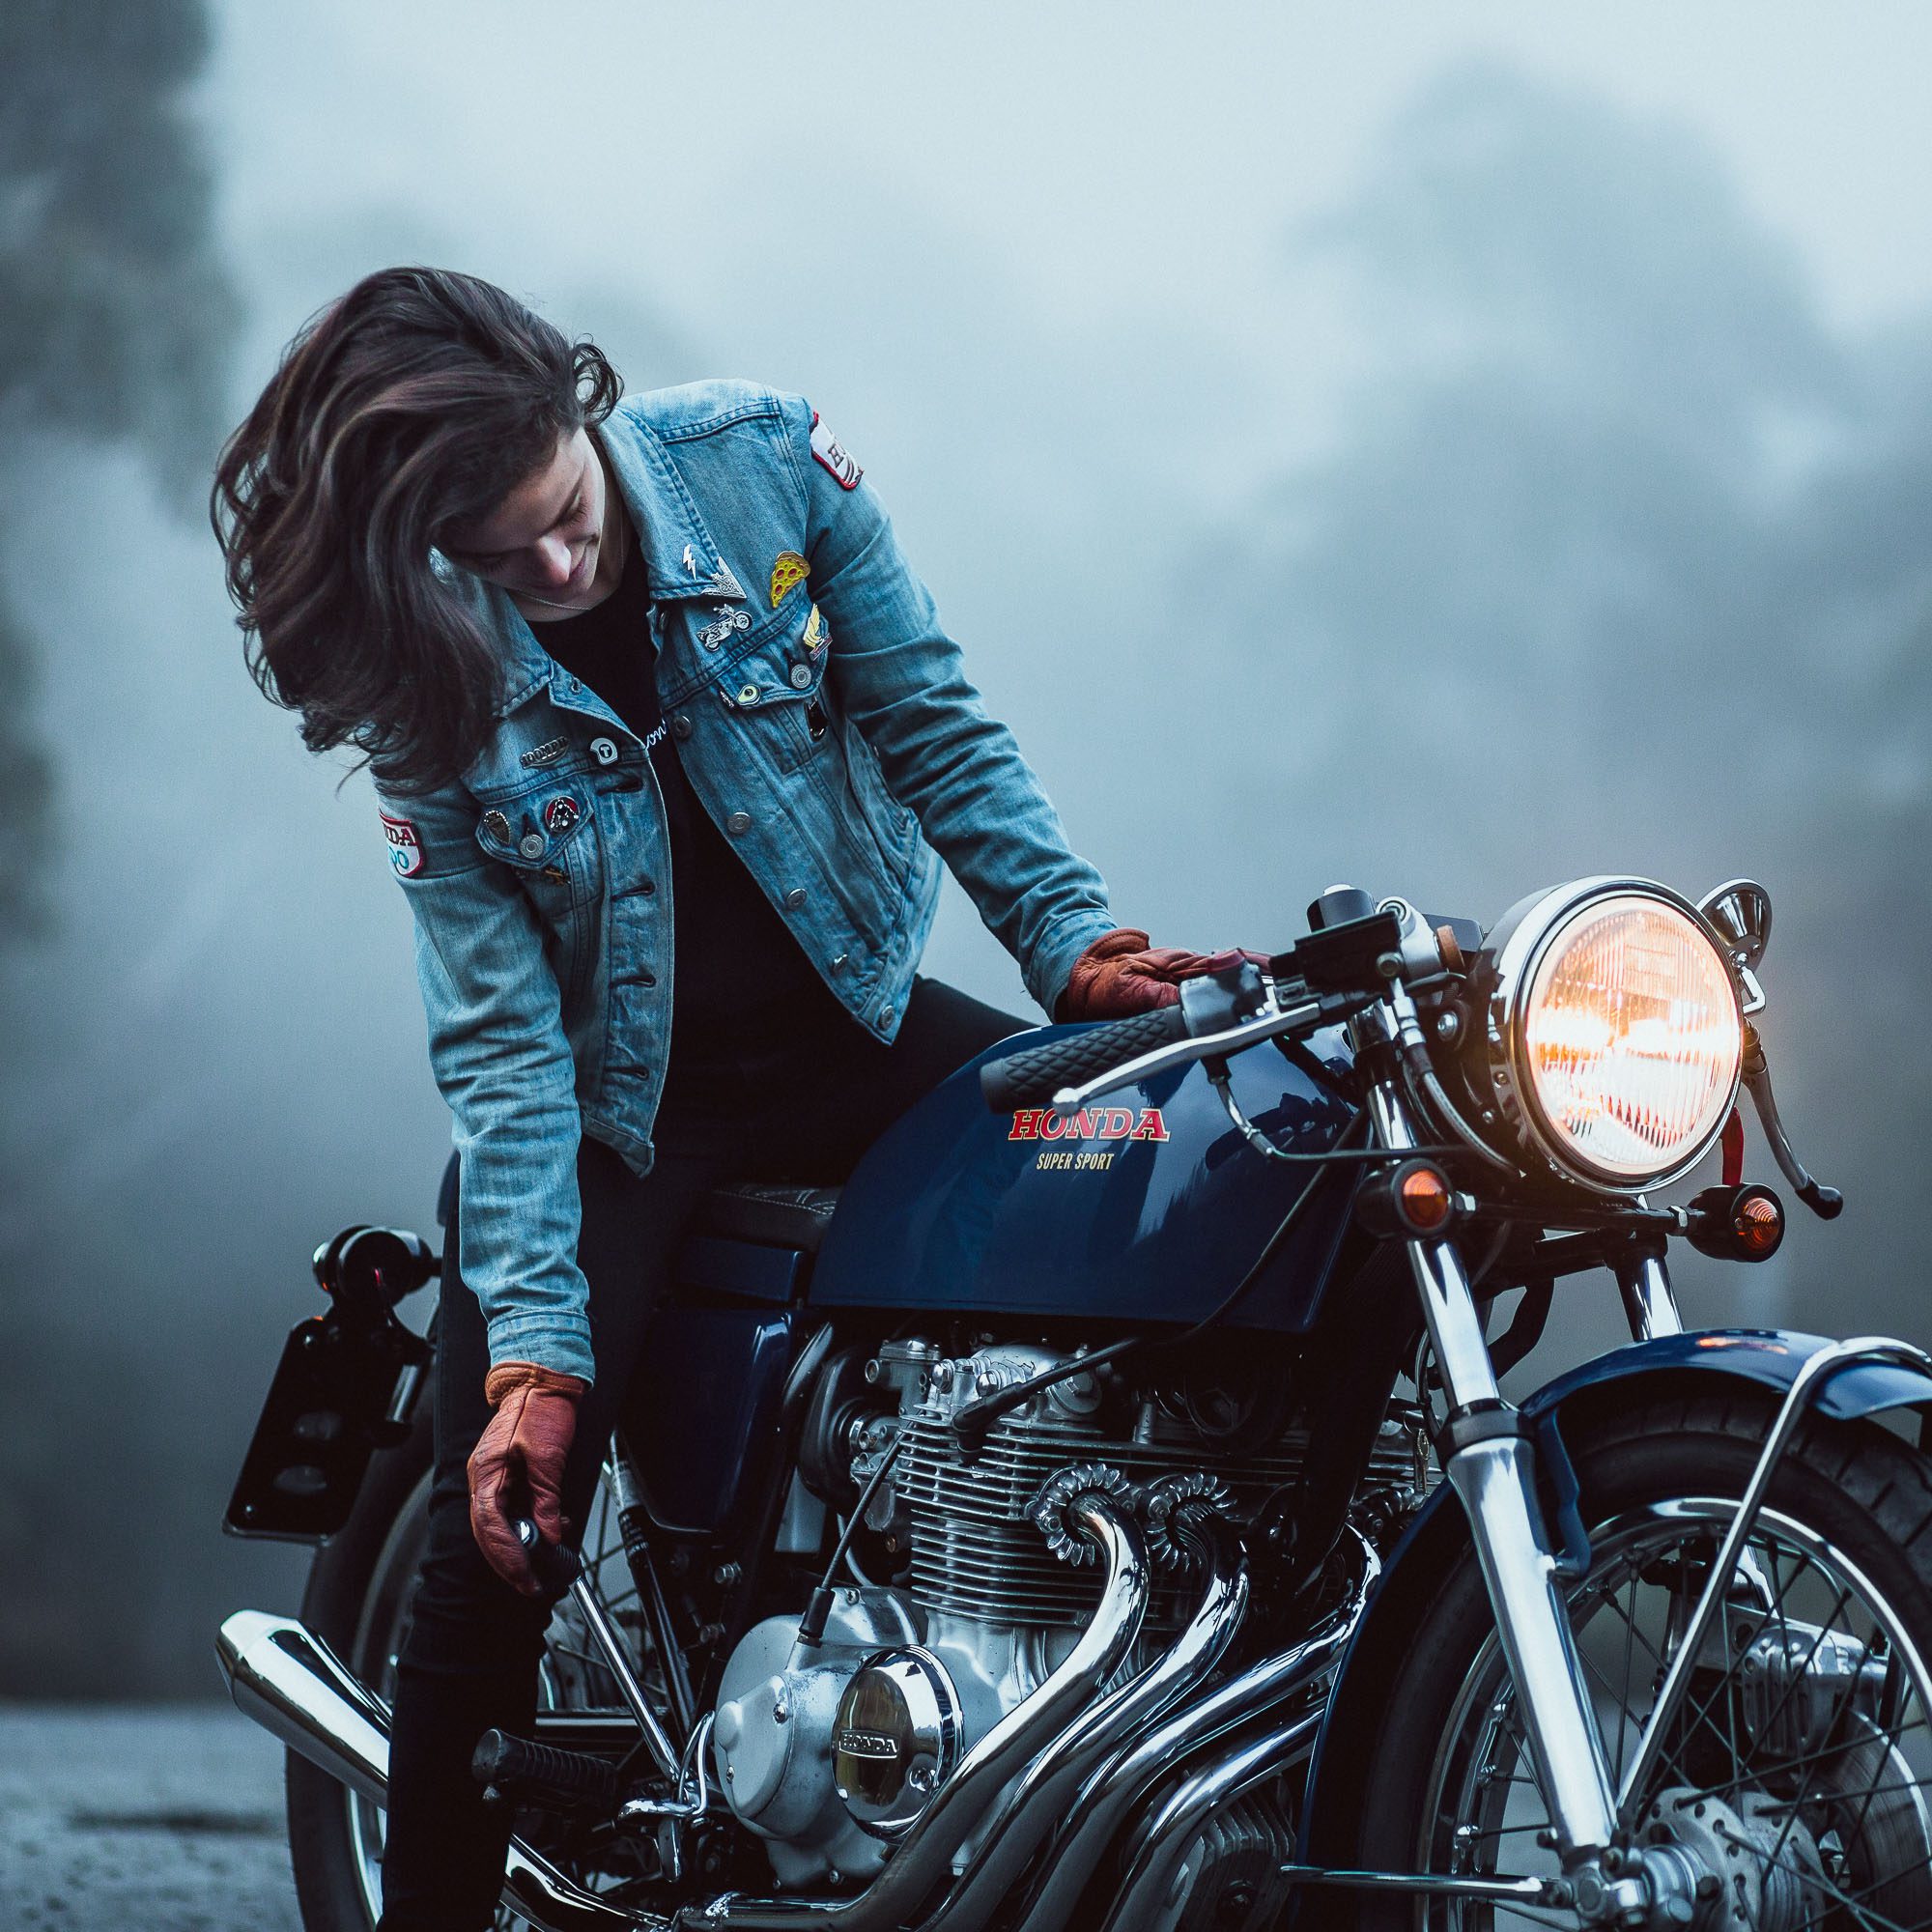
pixel 771 1739
pixel 895 1740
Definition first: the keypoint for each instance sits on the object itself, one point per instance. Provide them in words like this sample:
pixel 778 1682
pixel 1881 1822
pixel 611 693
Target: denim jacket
pixel 826 722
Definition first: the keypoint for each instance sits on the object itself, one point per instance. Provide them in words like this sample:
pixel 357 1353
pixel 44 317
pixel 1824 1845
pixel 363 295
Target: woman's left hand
pixel 1122 973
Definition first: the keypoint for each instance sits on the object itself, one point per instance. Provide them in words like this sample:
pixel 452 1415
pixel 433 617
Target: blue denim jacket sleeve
pixel 500 1058
pixel 902 681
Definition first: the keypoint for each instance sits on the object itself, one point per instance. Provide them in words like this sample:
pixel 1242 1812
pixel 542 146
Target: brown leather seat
pixel 775 1214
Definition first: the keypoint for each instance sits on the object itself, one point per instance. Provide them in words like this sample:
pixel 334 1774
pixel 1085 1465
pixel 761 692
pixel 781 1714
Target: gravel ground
pixel 141 1821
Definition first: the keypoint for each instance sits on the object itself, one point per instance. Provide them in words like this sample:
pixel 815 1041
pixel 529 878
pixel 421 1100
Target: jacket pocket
pixel 776 695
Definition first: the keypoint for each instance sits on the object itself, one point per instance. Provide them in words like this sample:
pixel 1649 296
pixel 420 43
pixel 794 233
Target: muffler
pixel 287 1679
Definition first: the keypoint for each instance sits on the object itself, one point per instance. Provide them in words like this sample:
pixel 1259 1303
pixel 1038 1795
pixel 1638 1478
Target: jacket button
pixel 885 1016
pixel 838 963
pixel 531 844
pixel 681 724
pixel 801 676
pixel 795 898
pixel 738 824
pixel 604 751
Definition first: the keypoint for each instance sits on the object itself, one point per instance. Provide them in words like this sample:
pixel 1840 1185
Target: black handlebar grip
pixel 1033 1075
pixel 554 1565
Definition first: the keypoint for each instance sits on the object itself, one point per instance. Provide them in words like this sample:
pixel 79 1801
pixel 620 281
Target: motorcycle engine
pixel 831 1752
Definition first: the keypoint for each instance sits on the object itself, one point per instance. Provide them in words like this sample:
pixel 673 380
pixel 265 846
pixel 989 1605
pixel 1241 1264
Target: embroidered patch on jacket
pixel 832 455
pixel 547 752
pixel 406 852
pixel 790 569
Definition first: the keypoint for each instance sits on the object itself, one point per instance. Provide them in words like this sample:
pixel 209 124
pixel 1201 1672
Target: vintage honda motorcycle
pixel 1048 1528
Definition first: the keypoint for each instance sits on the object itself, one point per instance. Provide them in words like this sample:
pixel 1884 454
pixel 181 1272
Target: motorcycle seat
pixel 774 1213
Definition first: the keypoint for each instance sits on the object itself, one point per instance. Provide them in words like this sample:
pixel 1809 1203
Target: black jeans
pixel 805 1112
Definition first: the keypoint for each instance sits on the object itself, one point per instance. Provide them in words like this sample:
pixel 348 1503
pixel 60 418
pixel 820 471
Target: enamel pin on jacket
pixel 824 735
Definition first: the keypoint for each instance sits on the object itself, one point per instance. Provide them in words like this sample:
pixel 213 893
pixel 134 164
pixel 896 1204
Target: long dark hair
pixel 419 399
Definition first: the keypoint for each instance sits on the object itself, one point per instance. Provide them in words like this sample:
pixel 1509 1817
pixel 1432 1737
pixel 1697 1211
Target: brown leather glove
pixel 517 1465
pixel 1122 973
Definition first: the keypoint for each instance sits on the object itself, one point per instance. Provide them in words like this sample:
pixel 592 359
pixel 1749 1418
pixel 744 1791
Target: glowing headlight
pixel 1619 1022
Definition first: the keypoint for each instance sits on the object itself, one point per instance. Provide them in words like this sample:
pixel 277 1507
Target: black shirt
pixel 741 985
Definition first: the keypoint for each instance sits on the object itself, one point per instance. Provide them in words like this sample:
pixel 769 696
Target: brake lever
pixel 1826 1203
pixel 1264 1024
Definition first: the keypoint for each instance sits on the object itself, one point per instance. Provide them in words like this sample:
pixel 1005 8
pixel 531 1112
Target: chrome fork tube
pixel 1492 1468
pixel 1649 1304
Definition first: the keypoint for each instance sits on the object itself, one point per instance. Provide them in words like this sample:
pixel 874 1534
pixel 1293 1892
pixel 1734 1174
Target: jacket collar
pixel 680 556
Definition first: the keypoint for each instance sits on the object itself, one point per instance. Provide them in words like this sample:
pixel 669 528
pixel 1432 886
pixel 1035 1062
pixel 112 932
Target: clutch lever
pixel 1826 1203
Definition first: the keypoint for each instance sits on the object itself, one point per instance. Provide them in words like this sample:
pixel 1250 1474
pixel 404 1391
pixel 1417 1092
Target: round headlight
pixel 1619 1021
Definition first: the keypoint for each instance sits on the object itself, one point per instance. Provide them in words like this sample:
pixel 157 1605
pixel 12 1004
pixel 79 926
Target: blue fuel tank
pixel 1148 1208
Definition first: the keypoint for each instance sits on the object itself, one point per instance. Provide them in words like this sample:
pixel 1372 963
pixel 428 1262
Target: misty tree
pixel 115 316
pixel 1619 562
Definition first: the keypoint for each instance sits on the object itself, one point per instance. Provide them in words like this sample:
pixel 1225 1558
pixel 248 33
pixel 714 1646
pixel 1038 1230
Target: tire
pixel 348 1601
pixel 1819 1787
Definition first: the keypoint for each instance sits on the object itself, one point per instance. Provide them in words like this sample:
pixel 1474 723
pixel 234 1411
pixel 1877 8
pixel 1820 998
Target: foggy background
pixel 1449 449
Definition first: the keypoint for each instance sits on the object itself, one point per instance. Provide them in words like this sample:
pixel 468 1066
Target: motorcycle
pixel 1103 1509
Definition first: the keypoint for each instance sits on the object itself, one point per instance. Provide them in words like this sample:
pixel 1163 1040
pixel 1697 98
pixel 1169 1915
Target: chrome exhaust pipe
pixel 1040 1802
pixel 922 1860
pixel 1108 1797
pixel 1155 1895
pixel 287 1679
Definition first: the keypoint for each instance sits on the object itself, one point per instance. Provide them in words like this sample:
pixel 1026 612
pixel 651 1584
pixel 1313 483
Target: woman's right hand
pixel 517 1467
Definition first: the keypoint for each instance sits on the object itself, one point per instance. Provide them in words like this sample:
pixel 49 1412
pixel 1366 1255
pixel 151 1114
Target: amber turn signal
pixel 1412 1199
pixel 1736 1224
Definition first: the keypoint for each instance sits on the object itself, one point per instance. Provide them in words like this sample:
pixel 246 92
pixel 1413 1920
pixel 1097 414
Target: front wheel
pixel 1798 1772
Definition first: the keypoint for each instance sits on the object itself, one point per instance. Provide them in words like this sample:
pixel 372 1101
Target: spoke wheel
pixel 1797 1773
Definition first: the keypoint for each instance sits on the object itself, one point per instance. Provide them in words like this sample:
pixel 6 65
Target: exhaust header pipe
pixel 286 1678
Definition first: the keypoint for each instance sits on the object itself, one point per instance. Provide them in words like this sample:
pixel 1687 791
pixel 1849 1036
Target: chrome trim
pixel 1518 1890
pixel 616 1661
pixel 1049 1786
pixel 1740 910
pixel 1650 1304
pixel 1805 1387
pixel 292 1684
pixel 1513 962
pixel 1111 1794
pixel 925 1856
pixel 1495 1479
pixel 1454 1328
pixel 1183 1052
pixel 1146 1901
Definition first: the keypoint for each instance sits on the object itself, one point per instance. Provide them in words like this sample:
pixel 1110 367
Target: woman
pixel 604 657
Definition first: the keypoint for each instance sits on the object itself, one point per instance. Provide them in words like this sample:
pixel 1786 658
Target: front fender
pixel 1769 1357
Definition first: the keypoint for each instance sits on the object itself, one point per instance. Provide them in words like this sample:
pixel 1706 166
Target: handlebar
pixel 1032 1076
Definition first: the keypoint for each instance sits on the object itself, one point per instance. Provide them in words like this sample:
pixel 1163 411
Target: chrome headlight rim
pixel 1520 943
